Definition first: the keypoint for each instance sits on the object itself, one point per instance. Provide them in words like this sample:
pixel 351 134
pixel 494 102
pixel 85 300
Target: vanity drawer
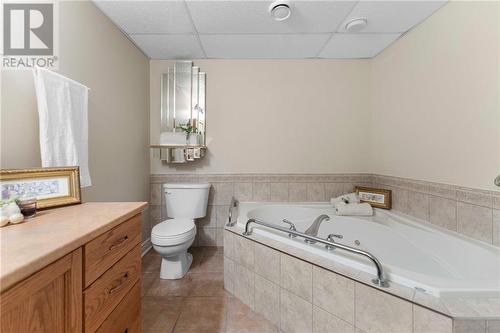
pixel 127 315
pixel 102 252
pixel 102 297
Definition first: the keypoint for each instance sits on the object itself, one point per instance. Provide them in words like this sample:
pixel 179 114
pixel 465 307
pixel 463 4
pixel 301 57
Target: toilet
pixel 172 238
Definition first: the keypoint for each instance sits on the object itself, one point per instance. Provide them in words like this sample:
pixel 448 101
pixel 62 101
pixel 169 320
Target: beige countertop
pixel 28 247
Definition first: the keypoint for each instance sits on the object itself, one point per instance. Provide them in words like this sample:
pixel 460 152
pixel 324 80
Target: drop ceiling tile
pixel 263 46
pixel 169 46
pixel 357 45
pixel 148 16
pixel 392 16
pixel 253 16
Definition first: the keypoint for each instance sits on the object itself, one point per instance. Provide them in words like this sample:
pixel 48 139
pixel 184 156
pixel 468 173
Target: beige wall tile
pixel 229 275
pixel 244 285
pixel 220 236
pixel 496 200
pixel 155 214
pixel 333 293
pixel 297 192
pixel 222 193
pixel 493 326
pixel 323 322
pixel 243 251
pixel 475 221
pixel 261 192
pixel 475 197
pixel 426 321
pixel 146 225
pixel 296 313
pixel 348 187
pixel 267 263
pixel 267 299
pixel 443 212
pixel 222 213
pixel 243 191
pixel 418 205
pixel 315 192
pixel 296 276
pixel 417 185
pixel 210 220
pixel 206 237
pixel 156 194
pixel 228 244
pixel 279 192
pixel 333 190
pixel 469 326
pixel 496 227
pixel 378 312
pixel 400 200
pixel 443 190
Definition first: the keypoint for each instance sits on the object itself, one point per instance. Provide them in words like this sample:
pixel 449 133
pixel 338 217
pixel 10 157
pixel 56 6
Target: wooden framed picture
pixel 379 198
pixel 53 187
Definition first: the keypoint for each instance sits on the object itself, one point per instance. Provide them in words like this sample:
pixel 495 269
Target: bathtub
pixel 413 254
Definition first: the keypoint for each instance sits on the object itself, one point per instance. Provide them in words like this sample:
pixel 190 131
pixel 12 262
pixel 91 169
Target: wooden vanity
pixel 73 269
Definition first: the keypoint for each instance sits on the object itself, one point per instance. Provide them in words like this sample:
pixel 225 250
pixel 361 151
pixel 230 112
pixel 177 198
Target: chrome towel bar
pixel 380 281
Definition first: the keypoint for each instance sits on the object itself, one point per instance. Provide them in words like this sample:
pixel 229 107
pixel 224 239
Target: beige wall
pixel 278 116
pixel 426 108
pixel 94 52
pixel 435 99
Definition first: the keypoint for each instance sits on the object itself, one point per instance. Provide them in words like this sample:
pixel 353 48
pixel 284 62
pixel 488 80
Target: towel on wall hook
pixel 63 120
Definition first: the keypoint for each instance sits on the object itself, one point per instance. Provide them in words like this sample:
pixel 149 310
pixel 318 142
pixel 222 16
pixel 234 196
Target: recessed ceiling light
pixel 280 10
pixel 356 24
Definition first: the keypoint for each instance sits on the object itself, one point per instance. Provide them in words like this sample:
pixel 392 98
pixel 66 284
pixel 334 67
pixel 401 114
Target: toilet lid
pixel 173 228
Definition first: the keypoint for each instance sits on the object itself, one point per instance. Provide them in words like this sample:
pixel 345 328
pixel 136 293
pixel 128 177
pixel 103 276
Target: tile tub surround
pixel 474 213
pixel 300 292
pixel 250 187
pixel 471 212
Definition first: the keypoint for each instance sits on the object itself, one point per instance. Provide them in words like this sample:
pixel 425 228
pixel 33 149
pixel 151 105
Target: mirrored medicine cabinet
pixel 183 114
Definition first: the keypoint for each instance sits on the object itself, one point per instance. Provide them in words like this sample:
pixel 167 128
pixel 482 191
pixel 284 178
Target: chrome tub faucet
pixel 314 228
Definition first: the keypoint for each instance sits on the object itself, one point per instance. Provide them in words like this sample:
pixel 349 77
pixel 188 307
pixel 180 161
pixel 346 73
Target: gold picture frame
pixel 53 187
pixel 376 197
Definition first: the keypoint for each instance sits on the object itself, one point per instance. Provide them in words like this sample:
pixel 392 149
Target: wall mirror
pixel 183 113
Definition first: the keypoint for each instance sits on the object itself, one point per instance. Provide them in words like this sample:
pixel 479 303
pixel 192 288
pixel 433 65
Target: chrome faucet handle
pixel 330 238
pixel 292 227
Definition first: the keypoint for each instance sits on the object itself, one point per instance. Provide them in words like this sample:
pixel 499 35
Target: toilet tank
pixel 186 200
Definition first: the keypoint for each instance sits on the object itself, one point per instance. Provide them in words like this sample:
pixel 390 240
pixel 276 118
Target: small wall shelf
pixel 178 154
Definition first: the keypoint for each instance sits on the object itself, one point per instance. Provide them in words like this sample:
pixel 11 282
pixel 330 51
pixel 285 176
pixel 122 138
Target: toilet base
pixel 175 267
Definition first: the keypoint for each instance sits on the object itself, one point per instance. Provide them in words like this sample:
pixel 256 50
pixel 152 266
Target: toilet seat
pixel 173 232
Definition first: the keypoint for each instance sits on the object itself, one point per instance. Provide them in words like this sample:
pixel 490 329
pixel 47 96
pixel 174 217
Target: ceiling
pixel 245 29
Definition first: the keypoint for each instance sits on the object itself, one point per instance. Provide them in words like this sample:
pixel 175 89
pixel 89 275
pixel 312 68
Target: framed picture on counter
pixel 376 197
pixel 52 187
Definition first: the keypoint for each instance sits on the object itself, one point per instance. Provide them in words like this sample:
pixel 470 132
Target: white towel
pixel 349 198
pixel 361 209
pixel 63 119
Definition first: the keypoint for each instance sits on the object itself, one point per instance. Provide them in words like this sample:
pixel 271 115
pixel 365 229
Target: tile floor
pixel 197 302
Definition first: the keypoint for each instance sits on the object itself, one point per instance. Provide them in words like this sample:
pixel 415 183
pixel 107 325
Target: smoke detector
pixel 356 24
pixel 280 10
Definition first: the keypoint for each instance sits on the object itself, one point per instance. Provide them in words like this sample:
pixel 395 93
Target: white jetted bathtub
pixel 412 254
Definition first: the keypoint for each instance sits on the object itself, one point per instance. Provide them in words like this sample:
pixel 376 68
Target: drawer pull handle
pixel 120 284
pixel 118 243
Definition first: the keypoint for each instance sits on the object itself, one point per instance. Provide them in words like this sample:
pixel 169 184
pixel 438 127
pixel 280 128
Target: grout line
pixel 194 28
